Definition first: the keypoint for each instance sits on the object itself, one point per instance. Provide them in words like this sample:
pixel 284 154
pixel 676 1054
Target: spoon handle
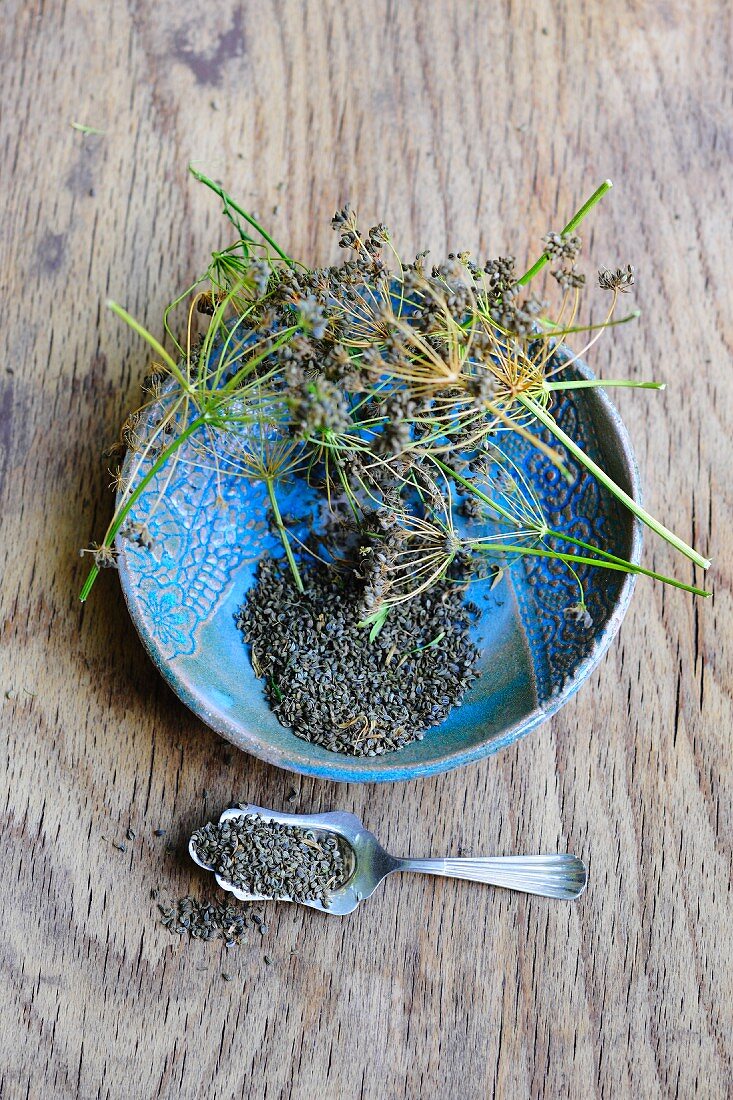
pixel 551 876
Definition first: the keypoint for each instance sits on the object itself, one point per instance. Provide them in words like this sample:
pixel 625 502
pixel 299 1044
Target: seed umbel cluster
pixel 377 383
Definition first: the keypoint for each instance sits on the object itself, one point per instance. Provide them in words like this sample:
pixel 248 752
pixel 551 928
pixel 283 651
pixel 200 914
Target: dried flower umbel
pixel 388 389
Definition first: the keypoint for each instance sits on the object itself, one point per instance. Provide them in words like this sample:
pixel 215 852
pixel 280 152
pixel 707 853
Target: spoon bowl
pixel 552 876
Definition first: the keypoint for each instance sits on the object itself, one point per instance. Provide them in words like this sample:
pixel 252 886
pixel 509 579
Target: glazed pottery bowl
pixel 208 531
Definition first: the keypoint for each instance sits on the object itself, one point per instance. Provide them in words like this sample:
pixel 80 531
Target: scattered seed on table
pixel 227 977
pixel 158 832
pixel 203 920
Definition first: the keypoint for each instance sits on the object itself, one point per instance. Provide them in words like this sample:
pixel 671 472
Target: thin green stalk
pixel 579 559
pixel 86 130
pixel 283 534
pixel 467 484
pixel 557 330
pixel 213 332
pixel 228 201
pixel 256 360
pixel 172 305
pixel 346 488
pixel 226 358
pixel 572 224
pixel 549 533
pixel 121 516
pixel 593 383
pixel 600 475
pixel 615 558
pixel 155 345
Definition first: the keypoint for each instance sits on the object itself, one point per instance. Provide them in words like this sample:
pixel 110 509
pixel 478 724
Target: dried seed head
pixel 622 279
pixel 105 557
pixel 570 279
pixel 579 613
pixel 562 247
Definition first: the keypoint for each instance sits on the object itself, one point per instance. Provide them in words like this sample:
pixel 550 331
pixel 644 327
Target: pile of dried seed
pixel 272 859
pixel 331 685
pixel 210 920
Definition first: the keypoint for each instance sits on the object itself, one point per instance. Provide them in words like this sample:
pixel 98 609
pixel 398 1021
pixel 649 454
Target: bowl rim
pixel 389 770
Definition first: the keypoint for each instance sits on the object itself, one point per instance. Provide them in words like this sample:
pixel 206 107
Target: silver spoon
pixel 551 876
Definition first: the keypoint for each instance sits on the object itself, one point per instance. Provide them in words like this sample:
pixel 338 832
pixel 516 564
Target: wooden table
pixel 462 125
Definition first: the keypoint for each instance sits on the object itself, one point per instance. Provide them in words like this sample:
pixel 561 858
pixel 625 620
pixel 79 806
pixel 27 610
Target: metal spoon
pixel 551 876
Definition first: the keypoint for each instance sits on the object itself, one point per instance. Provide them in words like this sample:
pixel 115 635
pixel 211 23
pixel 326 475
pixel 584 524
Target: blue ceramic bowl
pixel 208 534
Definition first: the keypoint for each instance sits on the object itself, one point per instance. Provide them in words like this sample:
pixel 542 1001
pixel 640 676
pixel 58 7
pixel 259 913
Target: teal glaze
pixel 184 594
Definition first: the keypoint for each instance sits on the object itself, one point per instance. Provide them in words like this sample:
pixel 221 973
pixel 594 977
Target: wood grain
pixel 462 125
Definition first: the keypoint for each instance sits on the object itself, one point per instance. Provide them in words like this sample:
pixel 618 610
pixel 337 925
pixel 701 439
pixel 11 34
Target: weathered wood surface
pixel 454 122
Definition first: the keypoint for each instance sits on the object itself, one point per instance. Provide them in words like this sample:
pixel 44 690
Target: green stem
pixel 620 561
pixel 600 475
pixel 346 488
pixel 89 582
pixel 467 484
pixel 228 201
pixel 557 330
pixel 590 383
pixel 579 559
pixel 121 516
pixel 255 361
pixel 549 533
pixel 155 345
pixel 283 534
pixel 572 224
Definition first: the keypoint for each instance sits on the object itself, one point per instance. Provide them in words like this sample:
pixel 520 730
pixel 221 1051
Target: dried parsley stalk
pixel 375 380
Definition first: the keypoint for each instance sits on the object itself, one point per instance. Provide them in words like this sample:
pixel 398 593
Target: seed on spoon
pixel 273 860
